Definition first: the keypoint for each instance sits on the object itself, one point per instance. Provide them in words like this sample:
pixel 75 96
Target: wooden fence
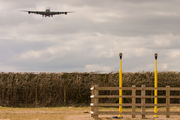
pixel 95 101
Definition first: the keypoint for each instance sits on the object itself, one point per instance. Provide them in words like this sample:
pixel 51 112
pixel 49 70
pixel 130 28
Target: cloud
pixel 91 38
pixel 97 67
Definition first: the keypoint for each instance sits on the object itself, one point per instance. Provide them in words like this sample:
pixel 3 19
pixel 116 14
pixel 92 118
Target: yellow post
pixel 155 85
pixel 120 84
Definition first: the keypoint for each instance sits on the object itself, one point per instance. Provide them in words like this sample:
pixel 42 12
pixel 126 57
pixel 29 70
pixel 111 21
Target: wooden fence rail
pixel 95 101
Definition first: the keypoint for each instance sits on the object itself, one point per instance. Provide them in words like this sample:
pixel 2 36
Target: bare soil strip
pixel 68 113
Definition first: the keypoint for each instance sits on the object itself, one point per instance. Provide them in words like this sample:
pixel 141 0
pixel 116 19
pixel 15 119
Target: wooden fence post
pixel 92 101
pixel 133 100
pixel 143 93
pixel 167 101
pixel 96 93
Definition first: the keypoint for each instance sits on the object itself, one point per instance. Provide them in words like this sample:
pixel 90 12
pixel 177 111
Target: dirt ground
pixel 59 113
pixel 63 113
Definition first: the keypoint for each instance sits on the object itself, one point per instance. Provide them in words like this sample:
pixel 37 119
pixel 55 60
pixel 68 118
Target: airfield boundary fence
pixel 95 101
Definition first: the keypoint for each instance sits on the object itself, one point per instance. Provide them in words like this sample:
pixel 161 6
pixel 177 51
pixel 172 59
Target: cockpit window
pixel 47 10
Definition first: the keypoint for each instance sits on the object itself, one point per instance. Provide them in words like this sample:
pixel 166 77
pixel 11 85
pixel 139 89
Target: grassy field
pixel 67 113
pixel 59 113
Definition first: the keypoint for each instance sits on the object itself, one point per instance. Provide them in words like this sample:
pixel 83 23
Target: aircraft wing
pixel 58 13
pixel 36 12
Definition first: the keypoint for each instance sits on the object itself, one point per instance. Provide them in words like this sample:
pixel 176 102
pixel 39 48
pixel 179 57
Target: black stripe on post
pixel 155 55
pixel 120 55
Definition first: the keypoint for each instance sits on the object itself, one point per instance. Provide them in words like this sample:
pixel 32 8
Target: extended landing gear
pixel 48 16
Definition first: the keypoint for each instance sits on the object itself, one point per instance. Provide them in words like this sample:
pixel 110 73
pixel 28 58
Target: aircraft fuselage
pixel 47 13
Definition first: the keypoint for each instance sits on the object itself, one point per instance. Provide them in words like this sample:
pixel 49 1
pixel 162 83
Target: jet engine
pixel 65 13
pixel 29 12
pixel 37 12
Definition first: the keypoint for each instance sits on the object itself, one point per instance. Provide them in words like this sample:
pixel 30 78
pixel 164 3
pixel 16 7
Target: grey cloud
pixel 91 38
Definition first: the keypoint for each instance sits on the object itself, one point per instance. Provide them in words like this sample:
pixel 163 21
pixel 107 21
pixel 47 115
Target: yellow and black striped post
pixel 155 85
pixel 120 84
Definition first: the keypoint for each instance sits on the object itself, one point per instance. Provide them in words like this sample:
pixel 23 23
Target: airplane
pixel 47 12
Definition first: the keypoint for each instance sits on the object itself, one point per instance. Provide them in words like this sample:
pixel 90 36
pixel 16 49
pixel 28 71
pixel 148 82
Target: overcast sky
pixel 91 38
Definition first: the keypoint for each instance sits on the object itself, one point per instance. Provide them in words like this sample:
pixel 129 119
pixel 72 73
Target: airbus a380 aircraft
pixel 47 12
